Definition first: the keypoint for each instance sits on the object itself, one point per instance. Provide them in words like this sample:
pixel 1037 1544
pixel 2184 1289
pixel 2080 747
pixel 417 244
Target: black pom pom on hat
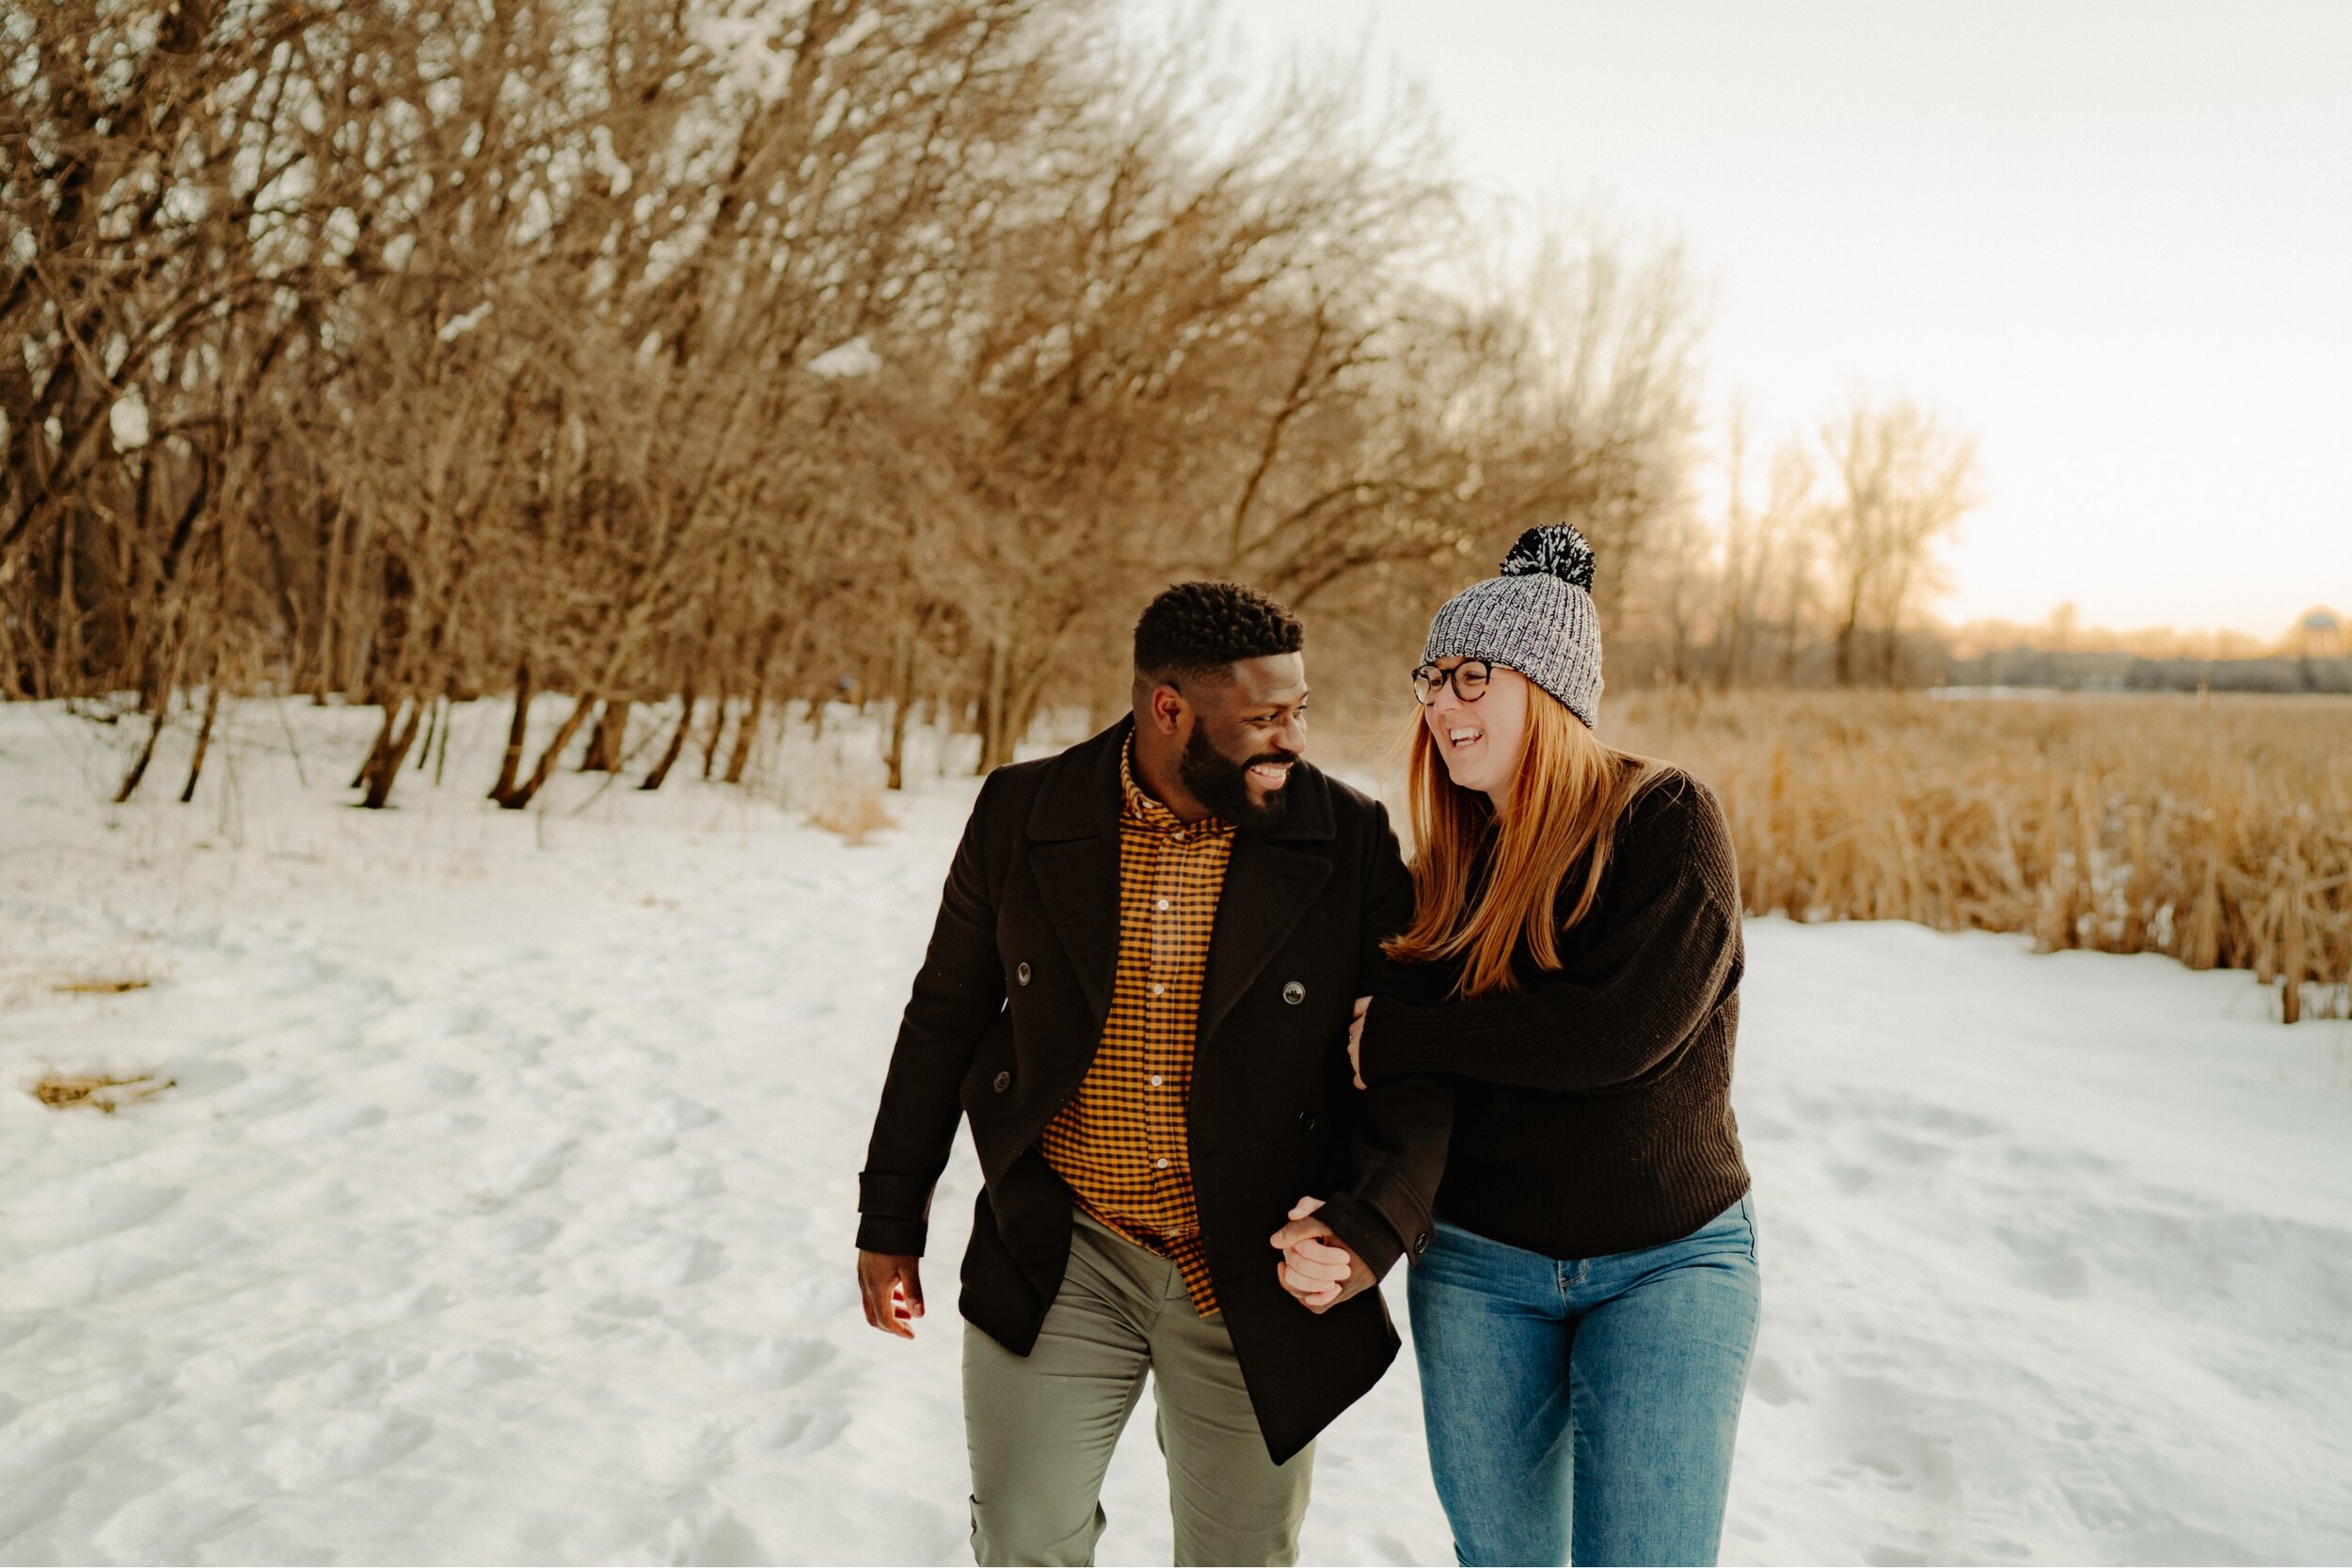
pixel 1556 549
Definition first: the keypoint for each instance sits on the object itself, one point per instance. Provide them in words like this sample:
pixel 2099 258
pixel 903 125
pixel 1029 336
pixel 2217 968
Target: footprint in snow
pixel 1769 1380
pixel 347 1443
pixel 1901 1149
pixel 720 1541
pixel 2046 1262
pixel 37 1496
pixel 799 1432
pixel 681 1116
pixel 85 1212
pixel 2056 1158
pixel 780 1362
pixel 448 1081
pixel 689 1260
pixel 481 1366
pixel 506 1182
pixel 1942 1118
pixel 676 1451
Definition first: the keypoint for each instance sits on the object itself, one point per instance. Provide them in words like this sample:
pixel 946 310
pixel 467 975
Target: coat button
pixel 1004 1082
pixel 1306 1121
pixel 1420 1243
pixel 1294 993
pixel 1021 972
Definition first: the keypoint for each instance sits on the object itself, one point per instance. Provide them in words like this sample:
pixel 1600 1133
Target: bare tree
pixel 1765 555
pixel 1904 481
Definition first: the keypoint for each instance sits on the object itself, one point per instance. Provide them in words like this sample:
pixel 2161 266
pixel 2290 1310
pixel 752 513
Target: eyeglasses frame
pixel 1438 679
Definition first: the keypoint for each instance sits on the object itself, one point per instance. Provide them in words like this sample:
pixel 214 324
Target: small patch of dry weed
pixel 61 1090
pixel 854 816
pixel 102 985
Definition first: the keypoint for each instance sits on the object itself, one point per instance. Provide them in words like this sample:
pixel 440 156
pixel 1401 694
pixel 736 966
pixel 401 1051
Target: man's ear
pixel 1167 709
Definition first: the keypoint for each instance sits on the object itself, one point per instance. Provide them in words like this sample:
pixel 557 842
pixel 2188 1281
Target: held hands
pixel 1317 1267
pixel 891 1285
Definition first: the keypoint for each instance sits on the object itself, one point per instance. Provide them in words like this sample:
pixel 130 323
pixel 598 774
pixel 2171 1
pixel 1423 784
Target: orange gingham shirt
pixel 1119 1142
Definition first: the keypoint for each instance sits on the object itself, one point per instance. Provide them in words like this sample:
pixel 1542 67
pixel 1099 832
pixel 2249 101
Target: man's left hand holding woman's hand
pixel 1317 1267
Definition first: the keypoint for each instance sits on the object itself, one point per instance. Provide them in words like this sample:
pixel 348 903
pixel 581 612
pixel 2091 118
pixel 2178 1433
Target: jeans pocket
pixel 1747 1213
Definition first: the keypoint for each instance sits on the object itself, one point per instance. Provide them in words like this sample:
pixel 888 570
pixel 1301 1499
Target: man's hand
pixel 1317 1267
pixel 1356 1040
pixel 891 1285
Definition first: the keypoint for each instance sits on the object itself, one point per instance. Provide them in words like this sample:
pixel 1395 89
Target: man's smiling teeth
pixel 1270 774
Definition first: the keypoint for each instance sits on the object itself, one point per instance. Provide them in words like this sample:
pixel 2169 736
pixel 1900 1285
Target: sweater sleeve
pixel 1402 1127
pixel 1669 944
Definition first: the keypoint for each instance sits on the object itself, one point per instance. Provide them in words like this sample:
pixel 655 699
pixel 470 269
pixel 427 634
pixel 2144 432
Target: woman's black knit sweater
pixel 1593 1109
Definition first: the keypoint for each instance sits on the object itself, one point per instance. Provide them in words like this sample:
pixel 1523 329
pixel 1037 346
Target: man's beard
pixel 1222 784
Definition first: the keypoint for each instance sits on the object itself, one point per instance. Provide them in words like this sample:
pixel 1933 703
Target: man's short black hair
pixel 1196 627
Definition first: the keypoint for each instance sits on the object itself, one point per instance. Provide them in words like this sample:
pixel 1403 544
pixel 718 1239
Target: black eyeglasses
pixel 1470 679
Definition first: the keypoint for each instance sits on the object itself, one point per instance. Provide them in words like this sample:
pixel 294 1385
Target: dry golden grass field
pixel 2218 829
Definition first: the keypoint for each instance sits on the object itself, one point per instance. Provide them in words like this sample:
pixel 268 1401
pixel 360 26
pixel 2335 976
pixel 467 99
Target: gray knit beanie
pixel 1537 618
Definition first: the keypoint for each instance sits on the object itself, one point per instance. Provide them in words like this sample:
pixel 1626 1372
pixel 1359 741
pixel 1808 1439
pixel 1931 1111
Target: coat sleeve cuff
pixel 905 1197
pixel 1367 1235
pixel 894 1212
pixel 898 1238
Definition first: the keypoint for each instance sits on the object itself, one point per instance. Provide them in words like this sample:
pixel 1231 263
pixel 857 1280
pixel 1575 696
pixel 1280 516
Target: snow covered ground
pixel 501 1209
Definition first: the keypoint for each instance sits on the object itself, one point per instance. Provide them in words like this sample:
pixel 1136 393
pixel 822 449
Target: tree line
pixel 743 351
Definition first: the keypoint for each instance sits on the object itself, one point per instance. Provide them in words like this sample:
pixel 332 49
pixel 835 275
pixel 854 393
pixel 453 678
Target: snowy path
pixel 502 1206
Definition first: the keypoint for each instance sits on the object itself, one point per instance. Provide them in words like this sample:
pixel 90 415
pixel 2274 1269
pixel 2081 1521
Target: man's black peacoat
pixel 1009 1007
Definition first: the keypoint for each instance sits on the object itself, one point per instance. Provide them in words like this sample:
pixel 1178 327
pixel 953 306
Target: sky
pixel 2114 240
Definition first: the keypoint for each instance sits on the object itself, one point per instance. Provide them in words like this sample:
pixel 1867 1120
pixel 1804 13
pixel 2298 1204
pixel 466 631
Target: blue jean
pixel 1587 1402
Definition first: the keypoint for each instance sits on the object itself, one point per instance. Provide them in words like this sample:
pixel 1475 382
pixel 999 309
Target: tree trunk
pixel 519 797
pixel 431 728
pixel 329 673
pixel 718 729
pixel 147 753
pixel 748 728
pixel 996 721
pixel 376 747
pixel 1846 638
pixel 68 653
pixel 678 743
pixel 512 767
pixel 203 739
pixel 745 729
pixel 383 770
pixel 901 704
pixel 440 757
pixel 607 742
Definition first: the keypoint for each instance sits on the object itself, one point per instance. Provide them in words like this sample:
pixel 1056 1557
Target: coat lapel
pixel 1269 885
pixel 1078 881
pixel 1267 888
pixel 1073 829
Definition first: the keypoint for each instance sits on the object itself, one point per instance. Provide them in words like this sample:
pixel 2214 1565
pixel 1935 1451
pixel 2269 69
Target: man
pixel 1139 990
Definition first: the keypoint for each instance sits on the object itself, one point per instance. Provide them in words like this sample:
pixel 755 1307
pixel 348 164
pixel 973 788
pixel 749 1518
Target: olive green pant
pixel 1041 1426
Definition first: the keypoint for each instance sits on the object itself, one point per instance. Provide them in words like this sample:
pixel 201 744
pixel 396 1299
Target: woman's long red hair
pixel 1571 791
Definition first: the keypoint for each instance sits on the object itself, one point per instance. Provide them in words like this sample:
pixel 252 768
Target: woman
pixel 1584 1315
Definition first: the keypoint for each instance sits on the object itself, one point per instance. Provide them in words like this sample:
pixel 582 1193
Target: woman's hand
pixel 1356 1040
pixel 1317 1267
